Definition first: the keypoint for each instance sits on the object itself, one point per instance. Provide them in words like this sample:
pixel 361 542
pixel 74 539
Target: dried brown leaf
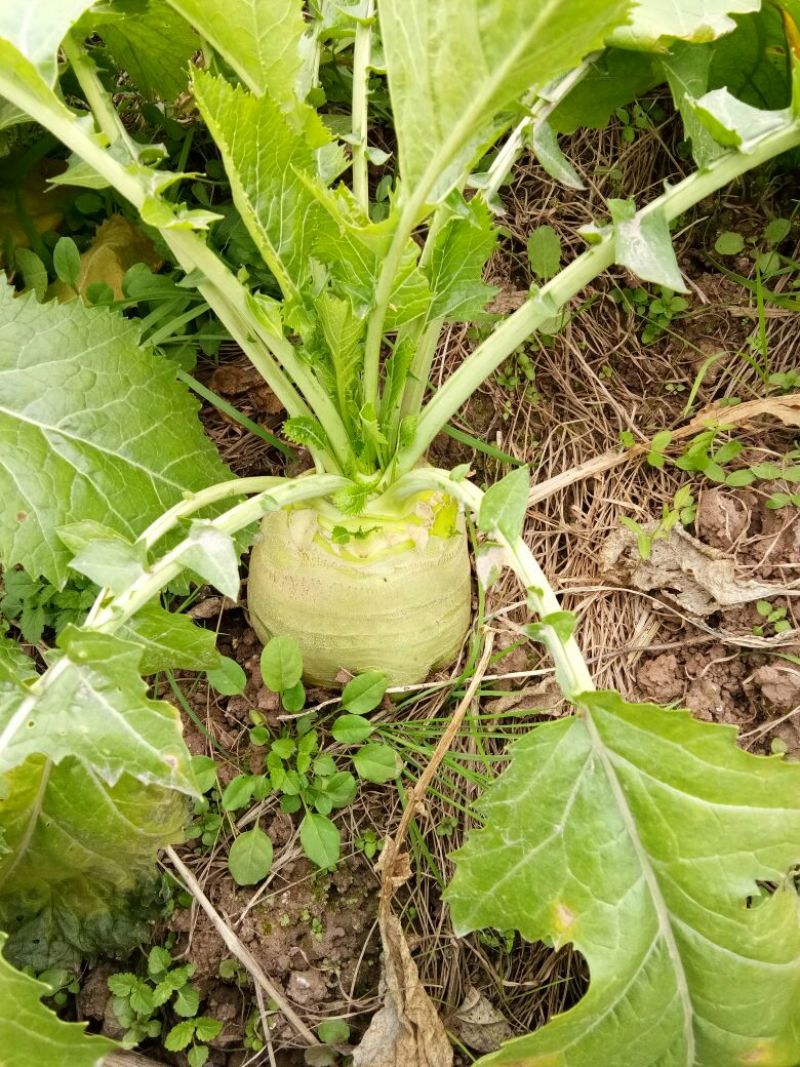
pixel 479 1024
pixel 700 579
pixel 407 1030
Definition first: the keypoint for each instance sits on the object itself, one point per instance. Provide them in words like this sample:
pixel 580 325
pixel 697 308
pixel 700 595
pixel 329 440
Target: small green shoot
pixel 137 1001
pixel 682 511
pixel 773 617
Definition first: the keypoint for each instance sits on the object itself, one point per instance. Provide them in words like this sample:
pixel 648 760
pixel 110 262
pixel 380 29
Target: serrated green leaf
pixel 455 275
pixel 179 1036
pixel 377 763
pixel 186 1002
pixel 643 244
pixel 267 174
pixel 642 836
pixel 260 41
pixel 320 839
pixel 655 24
pixel 364 693
pixel 37 32
pixel 353 249
pixel 92 426
pixel 31 1033
pixel 306 431
pixel 281 663
pixel 169 640
pixel 153 46
pixel 206 1028
pixel 447 86
pixel 95 707
pixel 250 857
pixel 343 332
pixel 76 849
pixel 505 503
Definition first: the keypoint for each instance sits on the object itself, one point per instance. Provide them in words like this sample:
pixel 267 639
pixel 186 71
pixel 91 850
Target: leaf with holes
pixel 647 840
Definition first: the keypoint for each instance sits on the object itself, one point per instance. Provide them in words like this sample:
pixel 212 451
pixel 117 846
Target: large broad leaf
pixel 260 40
pixel 454 65
pixel 655 24
pixel 616 78
pixel 81 859
pixel 687 69
pixel 93 704
pixel 92 426
pixel 36 30
pixel 646 839
pixel 31 1033
pixel 264 158
pixel 153 46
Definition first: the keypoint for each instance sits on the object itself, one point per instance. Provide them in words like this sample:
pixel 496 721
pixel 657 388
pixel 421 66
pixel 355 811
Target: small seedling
pixel 658 310
pixel 296 769
pixel 773 617
pixel 682 511
pixel 761 248
pixel 137 1000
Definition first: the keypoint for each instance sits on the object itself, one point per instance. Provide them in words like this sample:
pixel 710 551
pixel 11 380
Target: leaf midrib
pixel 462 130
pixel 651 881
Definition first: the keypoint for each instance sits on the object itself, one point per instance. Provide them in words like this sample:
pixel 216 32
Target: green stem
pixel 540 110
pixel 360 119
pixel 102 108
pixel 118 609
pixel 572 674
pixel 420 370
pixel 219 286
pixel 575 277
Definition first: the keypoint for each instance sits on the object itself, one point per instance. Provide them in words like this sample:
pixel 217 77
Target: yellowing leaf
pixel 116 247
